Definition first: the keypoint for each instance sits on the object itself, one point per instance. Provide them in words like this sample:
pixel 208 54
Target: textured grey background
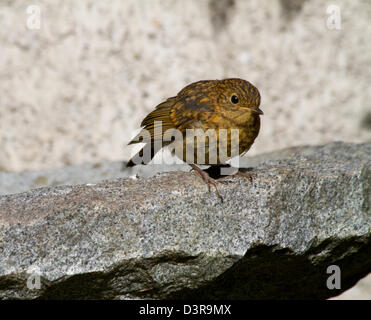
pixel 75 90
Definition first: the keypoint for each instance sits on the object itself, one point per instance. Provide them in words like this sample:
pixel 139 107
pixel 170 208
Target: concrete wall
pixel 75 90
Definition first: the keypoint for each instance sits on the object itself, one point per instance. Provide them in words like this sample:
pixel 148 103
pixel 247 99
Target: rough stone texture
pixel 11 182
pixel 167 237
pixel 75 91
pixel 16 182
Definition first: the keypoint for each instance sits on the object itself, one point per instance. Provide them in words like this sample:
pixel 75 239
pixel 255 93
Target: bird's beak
pixel 257 110
pixel 260 111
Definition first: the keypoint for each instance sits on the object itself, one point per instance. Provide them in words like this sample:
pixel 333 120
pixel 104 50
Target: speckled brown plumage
pixel 208 104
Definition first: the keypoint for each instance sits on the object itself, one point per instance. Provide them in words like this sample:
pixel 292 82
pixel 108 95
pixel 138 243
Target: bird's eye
pixel 234 99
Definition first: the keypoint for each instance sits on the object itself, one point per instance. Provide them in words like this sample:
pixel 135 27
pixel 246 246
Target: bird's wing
pixel 193 113
pixel 151 123
pixel 179 113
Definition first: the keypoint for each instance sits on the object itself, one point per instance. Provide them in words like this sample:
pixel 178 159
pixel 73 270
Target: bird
pixel 225 106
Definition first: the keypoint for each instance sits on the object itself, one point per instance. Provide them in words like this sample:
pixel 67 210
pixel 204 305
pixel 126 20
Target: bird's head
pixel 239 94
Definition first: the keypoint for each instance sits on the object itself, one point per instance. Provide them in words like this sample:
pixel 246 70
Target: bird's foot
pixel 247 175
pixel 223 172
pixel 207 179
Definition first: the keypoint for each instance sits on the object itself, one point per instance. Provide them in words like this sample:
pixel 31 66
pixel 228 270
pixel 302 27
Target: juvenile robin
pixel 229 104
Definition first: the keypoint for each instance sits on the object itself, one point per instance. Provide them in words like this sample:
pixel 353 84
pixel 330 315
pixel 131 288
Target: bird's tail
pixel 157 119
pixel 146 154
pixel 130 164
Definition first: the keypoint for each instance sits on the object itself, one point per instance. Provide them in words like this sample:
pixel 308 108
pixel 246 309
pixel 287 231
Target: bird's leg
pixel 207 179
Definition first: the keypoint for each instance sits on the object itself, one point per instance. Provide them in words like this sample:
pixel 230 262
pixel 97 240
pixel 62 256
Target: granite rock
pixel 166 237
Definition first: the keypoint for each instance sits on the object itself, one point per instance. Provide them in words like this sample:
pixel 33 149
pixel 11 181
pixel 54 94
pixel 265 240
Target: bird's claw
pixel 207 179
pixel 245 175
pixel 210 181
